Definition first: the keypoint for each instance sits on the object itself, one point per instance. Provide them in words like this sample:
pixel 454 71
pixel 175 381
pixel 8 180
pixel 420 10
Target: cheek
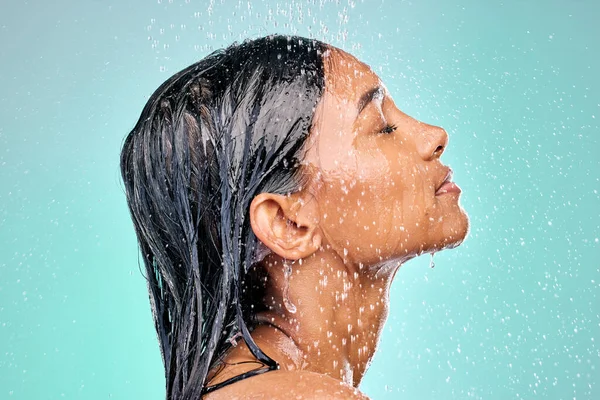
pixel 406 186
pixel 359 210
pixel 376 205
pixel 361 198
pixel 412 203
pixel 357 220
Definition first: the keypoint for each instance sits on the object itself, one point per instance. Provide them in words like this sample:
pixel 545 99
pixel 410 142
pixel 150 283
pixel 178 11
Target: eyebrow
pixel 369 96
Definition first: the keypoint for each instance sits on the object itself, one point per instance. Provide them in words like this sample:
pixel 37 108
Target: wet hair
pixel 209 139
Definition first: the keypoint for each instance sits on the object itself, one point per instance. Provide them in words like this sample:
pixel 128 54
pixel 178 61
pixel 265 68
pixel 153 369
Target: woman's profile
pixel 275 190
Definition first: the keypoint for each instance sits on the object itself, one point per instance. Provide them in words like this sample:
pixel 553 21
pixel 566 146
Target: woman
pixel 275 190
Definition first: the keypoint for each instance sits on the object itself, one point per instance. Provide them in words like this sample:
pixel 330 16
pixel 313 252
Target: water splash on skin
pixel 287 273
pixel 382 268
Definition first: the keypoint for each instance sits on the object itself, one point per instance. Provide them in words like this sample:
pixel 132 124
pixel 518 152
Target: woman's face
pixel 376 173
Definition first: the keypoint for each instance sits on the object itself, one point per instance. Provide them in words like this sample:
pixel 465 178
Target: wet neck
pixel 330 313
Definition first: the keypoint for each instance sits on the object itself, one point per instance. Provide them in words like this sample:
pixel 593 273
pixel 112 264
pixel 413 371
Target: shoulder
pixel 288 385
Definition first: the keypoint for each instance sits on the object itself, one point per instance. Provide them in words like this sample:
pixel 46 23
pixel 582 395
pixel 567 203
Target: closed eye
pixel 388 129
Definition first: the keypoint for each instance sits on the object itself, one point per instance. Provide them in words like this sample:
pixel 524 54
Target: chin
pixel 458 233
pixel 452 234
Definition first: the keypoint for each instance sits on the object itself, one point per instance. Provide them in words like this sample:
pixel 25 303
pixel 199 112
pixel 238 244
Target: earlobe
pixel 285 224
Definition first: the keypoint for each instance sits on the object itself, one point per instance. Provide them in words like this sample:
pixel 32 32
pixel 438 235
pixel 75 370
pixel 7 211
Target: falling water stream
pixel 287 273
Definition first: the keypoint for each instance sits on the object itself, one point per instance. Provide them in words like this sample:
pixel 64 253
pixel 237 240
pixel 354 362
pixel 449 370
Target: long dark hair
pixel 210 139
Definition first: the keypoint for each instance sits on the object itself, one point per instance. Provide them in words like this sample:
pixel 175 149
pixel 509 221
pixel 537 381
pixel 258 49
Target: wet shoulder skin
pixel 286 385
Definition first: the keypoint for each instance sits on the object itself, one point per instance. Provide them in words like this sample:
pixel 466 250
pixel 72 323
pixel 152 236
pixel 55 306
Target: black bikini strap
pixel 245 375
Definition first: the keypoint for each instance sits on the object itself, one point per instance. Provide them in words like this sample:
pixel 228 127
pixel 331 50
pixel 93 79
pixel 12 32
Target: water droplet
pixel 287 273
pixel 431 263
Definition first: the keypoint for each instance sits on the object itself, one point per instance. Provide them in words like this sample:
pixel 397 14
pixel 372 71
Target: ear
pixel 288 225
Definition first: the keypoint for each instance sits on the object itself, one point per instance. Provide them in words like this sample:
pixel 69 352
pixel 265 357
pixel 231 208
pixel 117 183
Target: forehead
pixel 331 144
pixel 347 78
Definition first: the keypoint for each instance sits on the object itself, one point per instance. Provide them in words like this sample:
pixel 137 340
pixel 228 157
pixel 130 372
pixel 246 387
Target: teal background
pixel 514 313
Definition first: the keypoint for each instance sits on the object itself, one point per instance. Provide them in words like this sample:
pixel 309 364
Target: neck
pixel 331 313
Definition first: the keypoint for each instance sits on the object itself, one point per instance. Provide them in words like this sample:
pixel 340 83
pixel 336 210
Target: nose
pixel 432 142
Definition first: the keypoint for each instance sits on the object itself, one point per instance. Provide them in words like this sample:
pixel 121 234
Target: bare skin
pixel 375 199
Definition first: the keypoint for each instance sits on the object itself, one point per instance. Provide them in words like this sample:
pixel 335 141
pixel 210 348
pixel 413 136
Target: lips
pixel 447 186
